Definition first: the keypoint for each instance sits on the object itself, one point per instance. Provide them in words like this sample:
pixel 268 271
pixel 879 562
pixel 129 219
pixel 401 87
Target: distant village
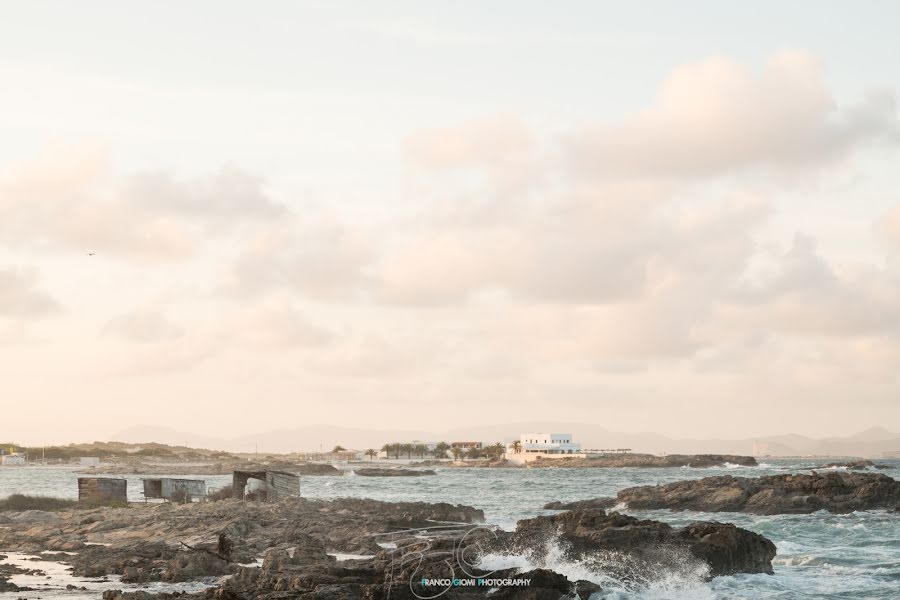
pixel 526 448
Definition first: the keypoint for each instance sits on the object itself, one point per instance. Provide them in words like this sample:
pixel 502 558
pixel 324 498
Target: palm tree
pixel 495 450
pixel 440 449
pixel 371 452
pixel 387 450
pixel 408 448
pixel 421 449
pixel 457 452
pixel 517 446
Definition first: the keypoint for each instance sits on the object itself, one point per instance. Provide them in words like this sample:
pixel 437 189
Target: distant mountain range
pixel 875 442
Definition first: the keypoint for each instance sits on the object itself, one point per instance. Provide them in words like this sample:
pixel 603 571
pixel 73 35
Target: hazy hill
pixel 874 442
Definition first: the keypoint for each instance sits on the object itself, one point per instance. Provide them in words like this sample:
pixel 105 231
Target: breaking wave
pixel 665 571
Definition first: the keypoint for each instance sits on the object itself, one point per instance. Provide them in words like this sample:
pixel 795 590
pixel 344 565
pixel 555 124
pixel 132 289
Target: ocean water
pixel 819 555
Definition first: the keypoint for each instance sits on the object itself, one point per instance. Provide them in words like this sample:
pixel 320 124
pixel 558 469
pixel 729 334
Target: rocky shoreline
pixel 360 549
pixel 218 468
pixel 395 472
pixel 837 492
pixel 149 467
pixel 647 461
pixel 855 465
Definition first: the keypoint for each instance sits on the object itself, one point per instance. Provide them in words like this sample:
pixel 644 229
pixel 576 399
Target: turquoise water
pixel 819 555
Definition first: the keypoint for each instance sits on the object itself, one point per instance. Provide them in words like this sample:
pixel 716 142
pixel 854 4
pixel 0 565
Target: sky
pixel 671 217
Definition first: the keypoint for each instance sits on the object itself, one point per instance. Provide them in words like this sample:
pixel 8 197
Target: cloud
pixel 717 116
pixel 316 257
pixel 62 201
pixel 889 225
pixel 477 143
pixel 573 253
pixel 20 296
pixel 167 356
pixel 229 195
pixel 805 295
pixel 277 325
pixel 70 199
pixel 142 326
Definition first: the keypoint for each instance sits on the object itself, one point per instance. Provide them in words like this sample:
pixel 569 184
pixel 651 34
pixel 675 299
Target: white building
pixel 12 459
pixel 533 446
pixel 89 461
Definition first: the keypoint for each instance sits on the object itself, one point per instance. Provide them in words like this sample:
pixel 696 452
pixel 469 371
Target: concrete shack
pixel 102 489
pixel 264 486
pixel 167 488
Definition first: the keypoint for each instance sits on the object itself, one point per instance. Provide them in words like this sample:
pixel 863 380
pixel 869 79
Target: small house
pixel 167 488
pixel 14 459
pixel 466 445
pixel 264 486
pixel 102 489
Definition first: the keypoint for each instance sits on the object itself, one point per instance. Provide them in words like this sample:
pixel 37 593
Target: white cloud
pixel 889 225
pixel 146 325
pixel 717 116
pixel 70 199
pixel 315 257
pixel 20 296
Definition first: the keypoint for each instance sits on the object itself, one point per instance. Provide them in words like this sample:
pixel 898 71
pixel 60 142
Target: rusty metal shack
pixel 167 488
pixel 102 489
pixel 264 486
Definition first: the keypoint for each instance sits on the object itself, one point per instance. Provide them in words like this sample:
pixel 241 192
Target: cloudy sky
pixel 682 217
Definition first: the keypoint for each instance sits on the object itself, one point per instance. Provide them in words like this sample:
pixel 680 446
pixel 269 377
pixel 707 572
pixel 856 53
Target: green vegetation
pixel 440 449
pixel 22 502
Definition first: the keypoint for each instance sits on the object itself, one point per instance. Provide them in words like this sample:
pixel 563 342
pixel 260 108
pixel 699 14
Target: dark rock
pixel 315 469
pixel 727 548
pixel 838 492
pixel 652 461
pixel 545 585
pixel 603 503
pixel 855 465
pixel 585 589
pixel 642 544
pixel 189 564
pixel 376 472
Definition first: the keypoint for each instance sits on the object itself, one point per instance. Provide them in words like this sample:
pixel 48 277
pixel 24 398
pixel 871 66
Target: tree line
pixel 397 450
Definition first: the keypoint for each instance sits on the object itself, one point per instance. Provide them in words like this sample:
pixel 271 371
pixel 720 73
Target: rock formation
pixel 855 465
pixel 634 545
pixel 837 492
pixel 376 472
pixel 393 545
pixel 604 503
pixel 652 461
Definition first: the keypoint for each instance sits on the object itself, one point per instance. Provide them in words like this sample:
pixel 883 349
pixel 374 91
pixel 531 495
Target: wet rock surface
pixel 837 492
pixel 630 544
pixel 286 549
pixel 652 461
pixel 855 465
pixel 7 571
pixel 376 472
pixel 139 467
pixel 604 503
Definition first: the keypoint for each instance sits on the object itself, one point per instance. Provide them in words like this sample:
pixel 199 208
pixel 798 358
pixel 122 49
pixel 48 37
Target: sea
pixel 820 555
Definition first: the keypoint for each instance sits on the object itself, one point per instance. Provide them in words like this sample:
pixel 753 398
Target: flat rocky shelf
pixel 652 461
pixel 837 492
pixel 304 545
pixel 375 472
